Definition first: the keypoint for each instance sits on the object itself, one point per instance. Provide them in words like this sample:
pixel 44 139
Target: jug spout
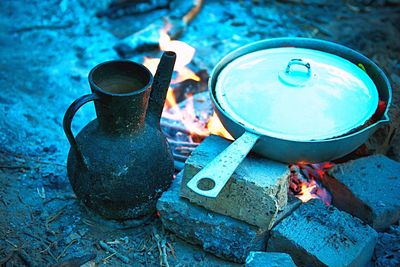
pixel 160 86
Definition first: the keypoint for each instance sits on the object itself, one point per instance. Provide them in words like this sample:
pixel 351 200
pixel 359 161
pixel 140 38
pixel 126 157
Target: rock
pixel 387 250
pixel 292 204
pixel 198 256
pixel 254 194
pixel 221 235
pixel 269 259
pixel 143 40
pixel 318 235
pixel 367 188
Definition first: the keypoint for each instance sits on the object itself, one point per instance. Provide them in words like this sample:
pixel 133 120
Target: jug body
pixel 120 163
pixel 124 175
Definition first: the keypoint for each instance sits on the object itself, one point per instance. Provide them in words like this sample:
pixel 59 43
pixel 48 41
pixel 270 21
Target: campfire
pixel 188 118
pixel 100 161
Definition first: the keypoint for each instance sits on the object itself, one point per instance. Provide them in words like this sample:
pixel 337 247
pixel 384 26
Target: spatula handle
pixel 216 174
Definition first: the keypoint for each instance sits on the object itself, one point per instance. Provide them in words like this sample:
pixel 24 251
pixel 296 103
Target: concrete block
pixel 318 235
pixel 292 204
pixel 221 235
pixel 254 194
pixel 368 188
pixel 269 259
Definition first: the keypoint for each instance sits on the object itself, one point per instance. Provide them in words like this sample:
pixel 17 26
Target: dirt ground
pixel 46 51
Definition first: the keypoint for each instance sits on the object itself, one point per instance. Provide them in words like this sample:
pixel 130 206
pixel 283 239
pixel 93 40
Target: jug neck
pixel 122 114
pixel 123 90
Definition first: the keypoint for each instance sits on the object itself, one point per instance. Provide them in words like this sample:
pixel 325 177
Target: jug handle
pixel 69 115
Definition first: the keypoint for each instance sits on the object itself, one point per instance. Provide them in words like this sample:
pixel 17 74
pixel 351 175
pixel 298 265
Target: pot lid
pixel 296 93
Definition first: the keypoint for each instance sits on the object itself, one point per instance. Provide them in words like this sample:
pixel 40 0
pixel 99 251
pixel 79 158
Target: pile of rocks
pixel 253 212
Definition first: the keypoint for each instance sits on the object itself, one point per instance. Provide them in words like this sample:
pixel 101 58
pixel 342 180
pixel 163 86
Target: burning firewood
pixel 305 181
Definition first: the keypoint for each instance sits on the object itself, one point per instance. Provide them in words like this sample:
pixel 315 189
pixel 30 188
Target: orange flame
pixel 215 126
pixel 187 114
pixel 307 188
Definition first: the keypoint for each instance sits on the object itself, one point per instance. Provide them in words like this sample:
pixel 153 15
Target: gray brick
pixel 269 259
pixel 368 188
pixel 221 235
pixel 255 192
pixel 318 235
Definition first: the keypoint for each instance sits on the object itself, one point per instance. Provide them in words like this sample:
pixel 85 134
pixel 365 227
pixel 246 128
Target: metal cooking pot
pixel 292 100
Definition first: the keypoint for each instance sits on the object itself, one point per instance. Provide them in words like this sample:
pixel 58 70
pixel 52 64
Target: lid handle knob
pixel 298 61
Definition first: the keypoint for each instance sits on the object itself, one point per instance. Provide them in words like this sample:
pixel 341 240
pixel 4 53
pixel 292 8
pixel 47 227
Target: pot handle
pixel 212 178
pixel 69 115
pixel 298 61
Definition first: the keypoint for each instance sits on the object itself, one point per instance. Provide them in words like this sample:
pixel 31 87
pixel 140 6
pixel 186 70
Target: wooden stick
pixel 179 157
pixel 62 254
pixel 106 247
pixel 193 12
pixel 182 143
pixel 25 258
pixel 7 258
pixel 68 197
pixel 55 216
pixel 164 253
pixel 76 261
pixel 175 128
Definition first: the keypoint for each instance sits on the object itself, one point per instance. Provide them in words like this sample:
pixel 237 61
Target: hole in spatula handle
pixel 206 184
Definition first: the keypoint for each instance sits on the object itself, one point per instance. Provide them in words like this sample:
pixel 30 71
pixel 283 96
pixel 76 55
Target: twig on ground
pixel 12 244
pixel 108 257
pixel 106 247
pixel 25 258
pixel 62 254
pixel 67 197
pixel 172 250
pixel 161 244
pixel 164 252
pixel 7 258
pixel 87 222
pixel 55 216
pixel 27 206
pixel 76 261
pixel 37 238
pixel 52 244
pixel 14 167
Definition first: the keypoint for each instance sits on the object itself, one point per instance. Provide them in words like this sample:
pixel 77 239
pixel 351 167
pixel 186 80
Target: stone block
pixel 368 188
pixel 318 235
pixel 292 204
pixel 254 194
pixel 221 235
pixel 269 259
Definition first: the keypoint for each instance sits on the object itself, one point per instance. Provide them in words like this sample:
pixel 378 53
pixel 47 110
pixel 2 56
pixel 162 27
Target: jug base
pixel 101 221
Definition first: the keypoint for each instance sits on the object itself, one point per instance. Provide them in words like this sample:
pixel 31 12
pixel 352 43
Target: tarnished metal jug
pixel 120 163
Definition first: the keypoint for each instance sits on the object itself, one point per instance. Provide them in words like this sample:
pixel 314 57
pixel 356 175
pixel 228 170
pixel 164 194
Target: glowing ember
pixel 305 179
